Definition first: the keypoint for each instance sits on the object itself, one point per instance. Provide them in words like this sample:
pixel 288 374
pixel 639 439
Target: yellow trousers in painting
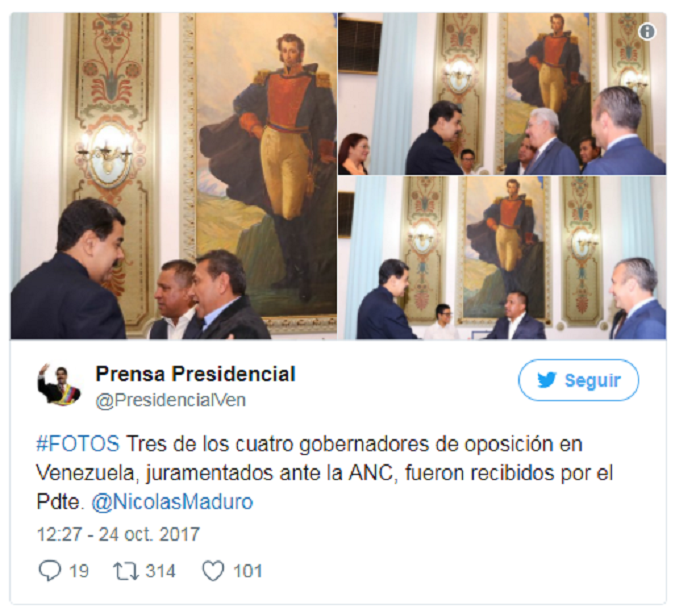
pixel 508 247
pixel 552 84
pixel 285 164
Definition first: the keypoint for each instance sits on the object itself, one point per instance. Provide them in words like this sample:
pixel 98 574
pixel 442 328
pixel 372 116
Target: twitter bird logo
pixel 546 380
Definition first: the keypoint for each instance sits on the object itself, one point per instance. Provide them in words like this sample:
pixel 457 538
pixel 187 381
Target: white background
pixel 441 387
pixel 352 541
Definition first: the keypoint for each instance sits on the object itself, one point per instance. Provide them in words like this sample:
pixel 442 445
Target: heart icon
pixel 213 570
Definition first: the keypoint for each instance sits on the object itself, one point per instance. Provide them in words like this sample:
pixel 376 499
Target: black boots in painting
pixel 292 237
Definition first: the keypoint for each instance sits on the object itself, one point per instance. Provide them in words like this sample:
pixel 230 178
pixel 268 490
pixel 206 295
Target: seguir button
pixel 582 380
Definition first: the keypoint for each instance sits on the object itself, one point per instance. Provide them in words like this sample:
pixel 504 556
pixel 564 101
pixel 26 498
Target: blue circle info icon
pixel 579 380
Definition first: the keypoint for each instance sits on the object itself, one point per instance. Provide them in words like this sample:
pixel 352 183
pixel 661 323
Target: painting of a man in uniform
pixel 548 66
pixel 504 245
pixel 272 160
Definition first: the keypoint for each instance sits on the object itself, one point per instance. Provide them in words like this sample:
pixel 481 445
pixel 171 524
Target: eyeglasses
pixel 447 313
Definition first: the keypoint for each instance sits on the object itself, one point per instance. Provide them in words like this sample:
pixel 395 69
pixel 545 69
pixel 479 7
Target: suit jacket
pixel 238 319
pixel 618 316
pixel 512 168
pixel 380 317
pixel 648 322
pixel 528 328
pixel 629 157
pixel 52 392
pixel 429 156
pixel 160 329
pixel 59 300
pixel 557 159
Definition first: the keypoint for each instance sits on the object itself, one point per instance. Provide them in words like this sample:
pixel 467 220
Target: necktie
pixel 618 325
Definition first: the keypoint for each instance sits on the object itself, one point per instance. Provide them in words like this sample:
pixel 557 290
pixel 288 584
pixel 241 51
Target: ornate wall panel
pixel 459 75
pixel 497 255
pixel 629 64
pixel 423 245
pixel 582 297
pixel 109 140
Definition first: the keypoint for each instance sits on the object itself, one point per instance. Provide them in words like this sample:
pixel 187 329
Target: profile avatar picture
pixel 61 392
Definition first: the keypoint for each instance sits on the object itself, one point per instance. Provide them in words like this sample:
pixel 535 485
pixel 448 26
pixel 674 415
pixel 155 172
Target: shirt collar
pixel 185 317
pixel 208 319
pixel 618 140
pixel 639 305
pixel 545 145
pixel 518 319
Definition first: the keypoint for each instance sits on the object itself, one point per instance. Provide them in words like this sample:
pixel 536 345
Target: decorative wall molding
pixel 110 104
pixel 461 44
pixel 423 245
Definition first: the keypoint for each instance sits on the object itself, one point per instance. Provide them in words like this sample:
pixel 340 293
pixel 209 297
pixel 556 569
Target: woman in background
pixel 353 153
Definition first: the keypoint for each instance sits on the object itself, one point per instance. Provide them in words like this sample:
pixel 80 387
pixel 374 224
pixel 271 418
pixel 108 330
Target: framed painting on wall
pixel 504 228
pixel 258 121
pixel 545 60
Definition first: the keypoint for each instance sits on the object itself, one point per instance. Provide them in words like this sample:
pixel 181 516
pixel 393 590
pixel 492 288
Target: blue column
pixel 17 96
pixel 365 250
pixel 393 100
pixel 636 217
pixel 637 220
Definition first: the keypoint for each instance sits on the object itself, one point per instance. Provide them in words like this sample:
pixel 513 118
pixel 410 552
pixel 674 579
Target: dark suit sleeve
pixel 443 162
pixel 76 395
pixel 493 334
pixel 650 329
pixel 541 332
pixel 244 332
pixel 97 317
pixel 566 163
pixel 396 325
pixel 42 387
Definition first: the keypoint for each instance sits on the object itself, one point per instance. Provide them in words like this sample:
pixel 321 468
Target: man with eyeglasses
pixel 442 330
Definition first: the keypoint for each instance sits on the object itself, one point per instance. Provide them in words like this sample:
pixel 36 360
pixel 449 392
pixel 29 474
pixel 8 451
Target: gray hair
pixel 623 106
pixel 544 114
pixel 643 271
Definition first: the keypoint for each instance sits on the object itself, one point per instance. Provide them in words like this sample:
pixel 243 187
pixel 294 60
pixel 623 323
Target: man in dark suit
pixel 219 291
pixel 61 393
pixel 379 316
pixel 526 154
pixel 174 301
pixel 633 284
pixel 428 154
pixel 553 157
pixel 517 324
pixel 615 116
pixel 588 151
pixel 64 298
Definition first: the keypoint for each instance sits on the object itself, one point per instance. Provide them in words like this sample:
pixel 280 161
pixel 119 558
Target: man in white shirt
pixel 442 330
pixel 468 159
pixel 175 303
pixel 517 324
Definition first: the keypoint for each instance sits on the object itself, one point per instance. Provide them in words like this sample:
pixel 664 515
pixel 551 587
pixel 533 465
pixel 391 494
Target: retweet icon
pixel 546 380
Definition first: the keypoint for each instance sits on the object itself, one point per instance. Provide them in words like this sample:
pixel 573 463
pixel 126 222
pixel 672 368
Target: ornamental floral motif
pixel 110 70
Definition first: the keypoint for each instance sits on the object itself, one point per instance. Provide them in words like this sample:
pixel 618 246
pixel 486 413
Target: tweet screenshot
pixel 430 253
